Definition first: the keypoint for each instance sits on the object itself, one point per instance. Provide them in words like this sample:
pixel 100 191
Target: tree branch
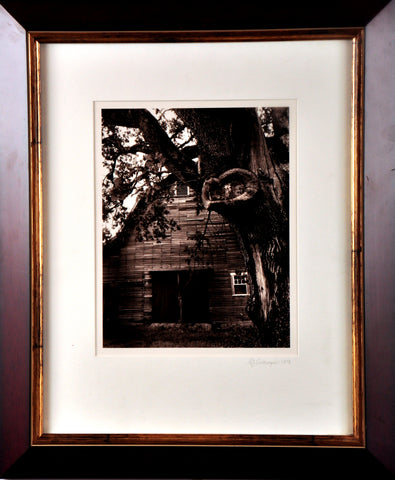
pixel 156 140
pixel 191 151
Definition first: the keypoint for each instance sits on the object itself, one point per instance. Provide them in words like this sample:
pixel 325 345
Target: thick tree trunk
pixel 254 200
pixel 262 230
pixel 266 259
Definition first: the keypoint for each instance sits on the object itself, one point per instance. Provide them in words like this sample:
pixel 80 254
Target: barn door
pixel 180 296
pixel 165 297
pixel 194 294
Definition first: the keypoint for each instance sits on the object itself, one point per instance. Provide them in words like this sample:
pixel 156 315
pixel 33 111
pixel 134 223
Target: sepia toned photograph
pixel 195 227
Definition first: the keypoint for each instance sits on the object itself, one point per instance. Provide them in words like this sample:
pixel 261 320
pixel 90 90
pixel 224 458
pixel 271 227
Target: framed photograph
pixel 196 238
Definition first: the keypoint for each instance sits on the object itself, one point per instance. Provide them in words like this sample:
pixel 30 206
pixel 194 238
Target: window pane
pixel 241 289
pixel 182 190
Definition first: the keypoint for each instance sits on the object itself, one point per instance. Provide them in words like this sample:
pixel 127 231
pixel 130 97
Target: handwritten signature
pixel 257 362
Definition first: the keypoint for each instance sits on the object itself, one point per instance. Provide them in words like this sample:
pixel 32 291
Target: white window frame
pixel 233 276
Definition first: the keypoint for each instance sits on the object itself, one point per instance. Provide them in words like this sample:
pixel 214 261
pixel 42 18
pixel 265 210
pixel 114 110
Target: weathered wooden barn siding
pixel 129 271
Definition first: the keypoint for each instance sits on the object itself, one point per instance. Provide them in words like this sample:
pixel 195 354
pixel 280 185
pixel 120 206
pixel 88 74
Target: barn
pixel 169 283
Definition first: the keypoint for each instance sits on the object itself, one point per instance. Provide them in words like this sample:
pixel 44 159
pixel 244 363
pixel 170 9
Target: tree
pixel 234 170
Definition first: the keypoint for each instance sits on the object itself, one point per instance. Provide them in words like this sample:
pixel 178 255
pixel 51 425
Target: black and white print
pixel 195 227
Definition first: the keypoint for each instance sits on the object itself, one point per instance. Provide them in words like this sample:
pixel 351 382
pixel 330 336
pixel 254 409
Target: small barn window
pixel 239 284
pixel 182 190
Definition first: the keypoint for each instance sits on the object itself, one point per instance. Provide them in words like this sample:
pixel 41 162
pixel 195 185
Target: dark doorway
pixel 180 296
pixel 165 297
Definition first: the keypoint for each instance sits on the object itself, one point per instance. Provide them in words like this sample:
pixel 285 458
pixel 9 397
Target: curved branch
pixel 234 187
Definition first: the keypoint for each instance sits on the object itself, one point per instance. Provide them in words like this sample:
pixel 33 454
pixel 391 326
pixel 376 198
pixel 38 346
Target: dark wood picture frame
pixel 358 437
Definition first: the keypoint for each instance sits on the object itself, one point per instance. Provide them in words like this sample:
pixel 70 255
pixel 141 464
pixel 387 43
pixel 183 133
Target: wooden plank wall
pixel 130 270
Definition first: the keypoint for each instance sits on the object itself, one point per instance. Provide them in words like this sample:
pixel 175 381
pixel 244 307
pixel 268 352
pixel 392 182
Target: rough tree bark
pixel 239 179
pixel 254 200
